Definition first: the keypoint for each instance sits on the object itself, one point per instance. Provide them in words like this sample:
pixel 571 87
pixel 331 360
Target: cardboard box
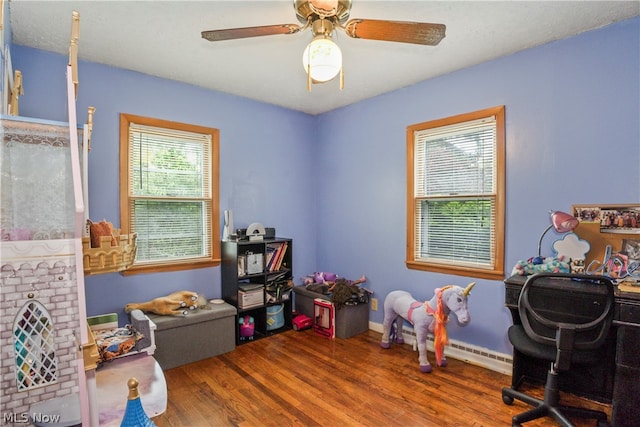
pixel 251 298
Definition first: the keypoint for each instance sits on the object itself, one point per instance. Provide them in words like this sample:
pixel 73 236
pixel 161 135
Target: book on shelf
pixel 283 250
pixel 279 249
pixel 271 251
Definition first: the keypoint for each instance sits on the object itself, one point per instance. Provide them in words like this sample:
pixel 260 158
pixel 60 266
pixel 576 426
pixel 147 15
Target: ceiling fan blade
pixel 396 31
pixel 241 33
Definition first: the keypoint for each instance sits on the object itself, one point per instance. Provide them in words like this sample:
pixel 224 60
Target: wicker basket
pixel 107 258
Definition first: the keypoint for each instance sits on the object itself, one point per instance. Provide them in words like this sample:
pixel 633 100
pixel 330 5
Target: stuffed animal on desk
pixel 541 265
pixel 176 304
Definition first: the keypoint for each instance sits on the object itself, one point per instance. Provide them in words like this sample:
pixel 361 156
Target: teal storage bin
pixel 275 317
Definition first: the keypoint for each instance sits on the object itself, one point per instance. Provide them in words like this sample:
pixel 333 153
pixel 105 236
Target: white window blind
pixel 455 194
pixel 170 200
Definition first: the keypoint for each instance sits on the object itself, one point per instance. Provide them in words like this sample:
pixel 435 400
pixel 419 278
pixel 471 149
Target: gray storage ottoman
pixel 350 319
pixel 203 333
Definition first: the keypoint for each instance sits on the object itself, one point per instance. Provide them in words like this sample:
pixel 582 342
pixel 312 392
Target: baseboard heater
pixel 479 356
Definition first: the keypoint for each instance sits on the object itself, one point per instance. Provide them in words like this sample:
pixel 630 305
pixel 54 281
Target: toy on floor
pixel 176 304
pixel 301 322
pixel 247 328
pixel 428 317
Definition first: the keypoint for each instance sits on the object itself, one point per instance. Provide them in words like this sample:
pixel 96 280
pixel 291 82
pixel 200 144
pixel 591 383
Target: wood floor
pixel 304 379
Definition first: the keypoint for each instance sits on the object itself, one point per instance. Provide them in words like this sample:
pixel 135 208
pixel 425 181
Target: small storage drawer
pixel 629 313
pixel 628 350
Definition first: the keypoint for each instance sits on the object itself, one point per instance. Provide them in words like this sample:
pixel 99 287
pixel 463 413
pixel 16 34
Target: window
pixel 455 195
pixel 169 193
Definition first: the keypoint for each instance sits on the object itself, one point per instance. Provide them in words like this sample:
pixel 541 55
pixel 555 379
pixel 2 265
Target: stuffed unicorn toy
pixel 426 317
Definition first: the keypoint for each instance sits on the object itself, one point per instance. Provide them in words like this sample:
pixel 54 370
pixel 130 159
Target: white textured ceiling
pixel 162 38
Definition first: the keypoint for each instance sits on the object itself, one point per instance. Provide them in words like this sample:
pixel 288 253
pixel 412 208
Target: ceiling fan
pixel 322 58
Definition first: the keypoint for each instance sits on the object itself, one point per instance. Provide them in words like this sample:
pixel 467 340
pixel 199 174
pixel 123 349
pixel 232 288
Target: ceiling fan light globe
pixel 322 58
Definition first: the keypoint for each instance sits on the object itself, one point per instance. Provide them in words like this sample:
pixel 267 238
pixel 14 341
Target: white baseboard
pixel 479 356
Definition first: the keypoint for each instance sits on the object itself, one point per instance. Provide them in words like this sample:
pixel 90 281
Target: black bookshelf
pixel 249 267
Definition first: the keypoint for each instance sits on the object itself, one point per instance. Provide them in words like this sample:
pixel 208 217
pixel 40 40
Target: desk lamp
pixel 562 222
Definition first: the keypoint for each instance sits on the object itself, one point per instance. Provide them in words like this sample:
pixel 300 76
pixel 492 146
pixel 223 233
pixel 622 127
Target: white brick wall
pixel 49 277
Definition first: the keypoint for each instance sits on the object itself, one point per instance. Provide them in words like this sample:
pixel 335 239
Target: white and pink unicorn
pixel 426 317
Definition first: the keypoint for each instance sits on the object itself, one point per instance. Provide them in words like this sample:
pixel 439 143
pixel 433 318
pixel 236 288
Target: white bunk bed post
pixel 86 147
pixel 92 387
pixel 86 381
pixel 78 233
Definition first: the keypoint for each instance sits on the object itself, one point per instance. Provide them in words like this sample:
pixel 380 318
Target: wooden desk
pixel 615 381
pixel 112 390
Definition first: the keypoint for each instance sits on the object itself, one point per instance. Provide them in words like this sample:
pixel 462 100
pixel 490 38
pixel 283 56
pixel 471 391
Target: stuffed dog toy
pixel 176 304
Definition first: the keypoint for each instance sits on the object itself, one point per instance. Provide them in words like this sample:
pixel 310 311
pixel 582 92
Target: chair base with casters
pixel 550 406
pixel 574 334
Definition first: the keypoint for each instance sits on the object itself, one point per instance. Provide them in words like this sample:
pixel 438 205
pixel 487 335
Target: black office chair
pixel 569 336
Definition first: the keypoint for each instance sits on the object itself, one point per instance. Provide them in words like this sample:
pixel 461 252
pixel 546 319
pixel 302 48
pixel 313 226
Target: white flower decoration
pixel 571 246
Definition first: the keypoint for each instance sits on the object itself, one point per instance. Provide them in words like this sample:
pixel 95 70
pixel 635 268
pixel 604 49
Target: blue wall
pixel 6 40
pixel 572 136
pixel 336 183
pixel 266 154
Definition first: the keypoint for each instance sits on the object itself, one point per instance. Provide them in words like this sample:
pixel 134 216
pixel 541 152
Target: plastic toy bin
pixel 350 320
